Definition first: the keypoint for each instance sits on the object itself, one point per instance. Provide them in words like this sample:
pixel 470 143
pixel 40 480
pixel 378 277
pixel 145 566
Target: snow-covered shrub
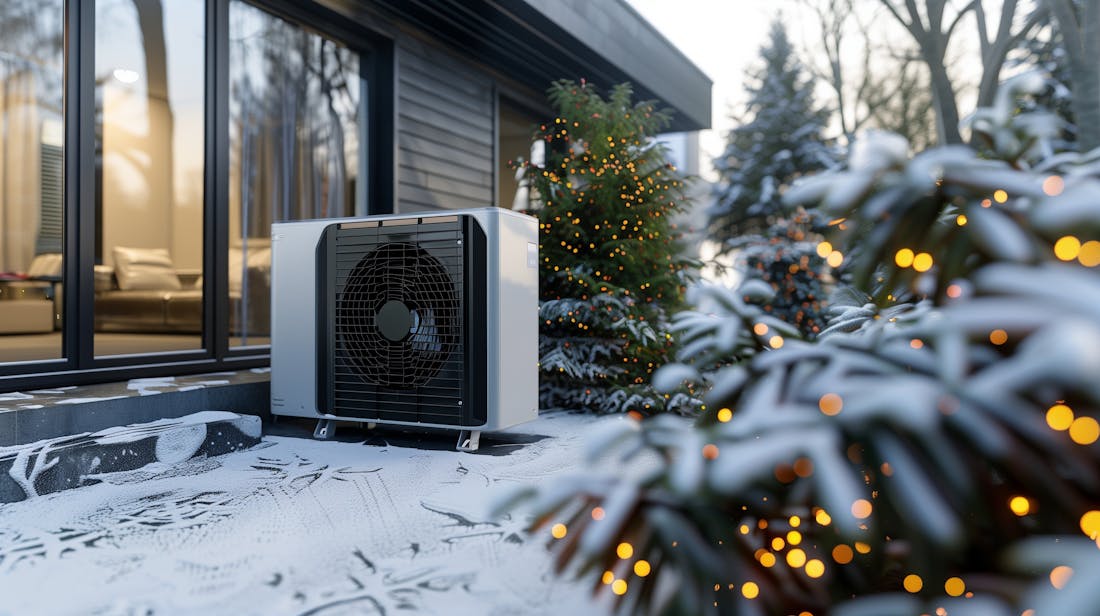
pixel 949 412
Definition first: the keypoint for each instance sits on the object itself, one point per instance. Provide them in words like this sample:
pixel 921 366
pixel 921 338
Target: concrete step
pixel 66 462
pixel 29 416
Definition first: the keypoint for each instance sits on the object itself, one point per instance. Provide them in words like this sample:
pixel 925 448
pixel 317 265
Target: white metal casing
pixel 512 315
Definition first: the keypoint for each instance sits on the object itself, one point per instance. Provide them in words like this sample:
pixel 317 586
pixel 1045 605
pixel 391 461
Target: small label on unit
pixel 532 254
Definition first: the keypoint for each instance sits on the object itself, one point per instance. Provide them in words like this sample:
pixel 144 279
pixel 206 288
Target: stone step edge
pixel 66 462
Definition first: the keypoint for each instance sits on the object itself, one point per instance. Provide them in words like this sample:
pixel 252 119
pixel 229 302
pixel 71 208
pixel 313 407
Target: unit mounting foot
pixel 468 440
pixel 326 429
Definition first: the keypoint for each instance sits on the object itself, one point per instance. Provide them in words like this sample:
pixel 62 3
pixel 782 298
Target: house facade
pixel 148 145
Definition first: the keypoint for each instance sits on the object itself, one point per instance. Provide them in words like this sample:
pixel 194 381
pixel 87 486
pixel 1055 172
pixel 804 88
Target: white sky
pixel 723 38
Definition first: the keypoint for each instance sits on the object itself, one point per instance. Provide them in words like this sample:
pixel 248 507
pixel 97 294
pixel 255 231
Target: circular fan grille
pixel 398 316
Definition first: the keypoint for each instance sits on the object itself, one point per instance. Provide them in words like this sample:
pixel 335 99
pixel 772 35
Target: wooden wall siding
pixel 445 140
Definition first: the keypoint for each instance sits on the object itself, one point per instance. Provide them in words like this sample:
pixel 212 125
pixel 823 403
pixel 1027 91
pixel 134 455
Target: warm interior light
pixel 125 75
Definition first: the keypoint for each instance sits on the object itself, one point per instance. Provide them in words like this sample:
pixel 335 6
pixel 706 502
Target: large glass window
pixel 31 204
pixel 149 89
pixel 295 107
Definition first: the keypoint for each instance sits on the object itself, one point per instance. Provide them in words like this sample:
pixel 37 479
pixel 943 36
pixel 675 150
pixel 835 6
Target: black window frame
pixel 79 365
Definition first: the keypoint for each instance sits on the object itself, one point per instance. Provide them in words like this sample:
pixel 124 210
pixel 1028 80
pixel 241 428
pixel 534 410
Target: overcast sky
pixel 723 38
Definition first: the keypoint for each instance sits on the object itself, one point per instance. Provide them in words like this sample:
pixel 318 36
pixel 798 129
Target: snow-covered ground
pixel 296 526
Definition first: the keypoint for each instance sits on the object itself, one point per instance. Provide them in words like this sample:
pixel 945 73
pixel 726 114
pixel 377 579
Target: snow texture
pixel 80 458
pixel 39 398
pixel 297 526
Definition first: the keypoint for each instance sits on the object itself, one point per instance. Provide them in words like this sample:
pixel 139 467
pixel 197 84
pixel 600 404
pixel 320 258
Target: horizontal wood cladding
pixel 445 138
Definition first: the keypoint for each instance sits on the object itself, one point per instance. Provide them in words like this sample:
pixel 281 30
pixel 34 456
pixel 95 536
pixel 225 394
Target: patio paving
pixel 296 526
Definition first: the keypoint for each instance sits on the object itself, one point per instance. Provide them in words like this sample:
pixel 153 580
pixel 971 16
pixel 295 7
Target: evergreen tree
pixel 609 251
pixel 936 451
pixel 781 142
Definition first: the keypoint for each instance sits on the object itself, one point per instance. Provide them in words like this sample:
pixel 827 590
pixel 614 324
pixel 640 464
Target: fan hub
pixel 394 320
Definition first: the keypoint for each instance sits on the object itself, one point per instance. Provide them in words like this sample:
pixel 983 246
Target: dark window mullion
pixel 216 248
pixel 80 163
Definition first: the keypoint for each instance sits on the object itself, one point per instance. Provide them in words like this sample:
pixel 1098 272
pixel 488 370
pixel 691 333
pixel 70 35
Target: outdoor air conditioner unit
pixel 423 319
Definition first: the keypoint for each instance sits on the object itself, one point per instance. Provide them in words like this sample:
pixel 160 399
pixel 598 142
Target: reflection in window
pixel 149 188
pixel 295 110
pixel 514 142
pixel 31 130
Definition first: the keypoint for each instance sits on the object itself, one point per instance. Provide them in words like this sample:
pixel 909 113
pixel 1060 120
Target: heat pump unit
pixel 422 319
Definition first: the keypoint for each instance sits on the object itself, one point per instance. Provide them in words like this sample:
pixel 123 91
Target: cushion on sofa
pixel 144 269
pixel 45 265
pixel 258 258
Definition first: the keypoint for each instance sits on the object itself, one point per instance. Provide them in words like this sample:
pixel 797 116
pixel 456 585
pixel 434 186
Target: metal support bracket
pixel 468 440
pixel 325 429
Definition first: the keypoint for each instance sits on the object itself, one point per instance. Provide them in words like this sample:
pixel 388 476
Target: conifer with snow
pixel 611 264
pixel 779 141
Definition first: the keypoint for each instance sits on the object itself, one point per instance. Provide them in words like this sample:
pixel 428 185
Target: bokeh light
pixel 843 554
pixel 624 550
pixel 998 337
pixel 815 568
pixel 1059 417
pixel 724 415
pixel 830 404
pixel 803 467
pixel 1089 256
pixel 1060 575
pixel 642 568
pixel 954 586
pixel 796 558
pixel 1019 505
pixel 913 583
pixel 1053 186
pixel 1090 524
pixel 861 509
pixel 750 590
pixel 1067 248
pixel 1084 430
pixel 904 257
pixel 558 531
pixel 922 262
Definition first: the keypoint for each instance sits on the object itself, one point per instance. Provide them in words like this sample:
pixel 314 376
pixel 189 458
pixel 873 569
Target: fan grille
pixel 399 316
pixel 402 327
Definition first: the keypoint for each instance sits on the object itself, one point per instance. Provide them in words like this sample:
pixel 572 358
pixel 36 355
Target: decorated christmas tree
pixel 611 268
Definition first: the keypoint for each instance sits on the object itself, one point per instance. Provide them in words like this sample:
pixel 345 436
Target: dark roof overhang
pixel 535 42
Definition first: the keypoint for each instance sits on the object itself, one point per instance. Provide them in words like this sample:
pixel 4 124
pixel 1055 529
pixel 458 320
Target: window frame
pixel 78 364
